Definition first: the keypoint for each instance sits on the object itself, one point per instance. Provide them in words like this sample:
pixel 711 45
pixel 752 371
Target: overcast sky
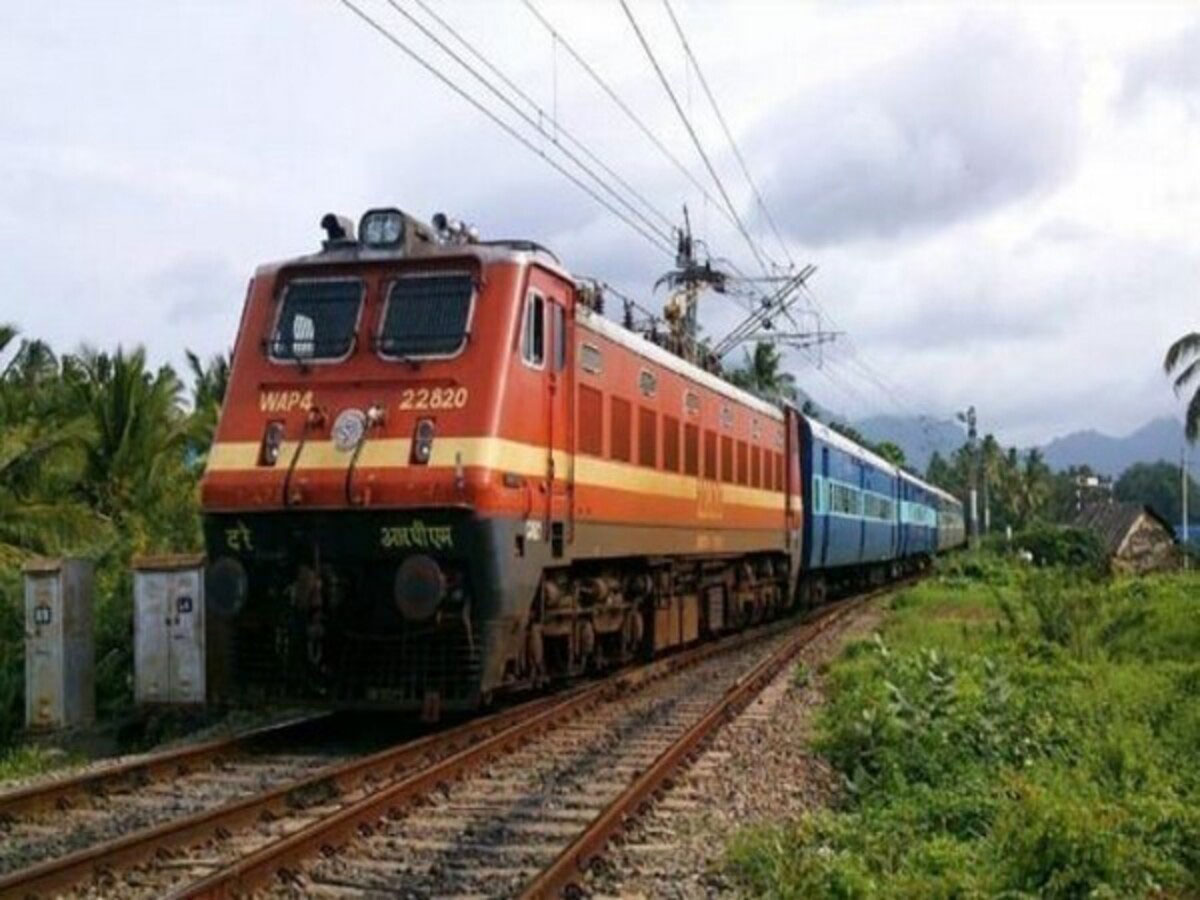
pixel 1003 201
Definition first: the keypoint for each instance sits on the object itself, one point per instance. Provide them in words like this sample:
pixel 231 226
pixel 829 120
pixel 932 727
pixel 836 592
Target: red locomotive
pixel 441 473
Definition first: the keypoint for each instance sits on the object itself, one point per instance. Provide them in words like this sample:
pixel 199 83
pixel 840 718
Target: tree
pixel 1033 489
pixel 892 452
pixel 761 374
pixel 40 440
pixel 209 383
pixel 137 430
pixel 1187 350
pixel 1156 485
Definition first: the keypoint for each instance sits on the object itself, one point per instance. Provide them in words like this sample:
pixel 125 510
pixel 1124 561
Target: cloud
pixel 978 117
pixel 193 289
pixel 1171 67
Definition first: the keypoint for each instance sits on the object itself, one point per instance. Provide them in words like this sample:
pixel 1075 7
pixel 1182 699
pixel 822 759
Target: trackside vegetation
pixel 1011 732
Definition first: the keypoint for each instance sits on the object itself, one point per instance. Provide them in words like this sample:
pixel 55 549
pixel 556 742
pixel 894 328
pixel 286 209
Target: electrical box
pixel 168 629
pixel 60 684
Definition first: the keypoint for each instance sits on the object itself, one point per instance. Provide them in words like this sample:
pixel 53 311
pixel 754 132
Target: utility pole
pixel 1183 529
pixel 973 470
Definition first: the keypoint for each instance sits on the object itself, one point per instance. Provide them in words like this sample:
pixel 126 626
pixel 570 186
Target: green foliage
pixel 1053 545
pixel 27 761
pixel 891 452
pixel 1012 732
pixel 1183 361
pixel 761 374
pixel 99 457
pixel 1158 486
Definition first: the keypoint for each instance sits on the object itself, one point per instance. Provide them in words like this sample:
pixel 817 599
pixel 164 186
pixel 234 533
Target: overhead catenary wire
pixel 624 107
pixel 649 234
pixel 551 118
pixel 712 100
pixel 529 120
pixel 687 124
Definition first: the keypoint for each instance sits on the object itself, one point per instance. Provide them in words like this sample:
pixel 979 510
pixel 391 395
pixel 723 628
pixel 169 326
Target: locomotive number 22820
pixel 433 398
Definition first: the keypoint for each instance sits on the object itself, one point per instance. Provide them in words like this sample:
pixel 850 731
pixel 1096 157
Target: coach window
pixel 589 358
pixel 647 383
pixel 743 474
pixel 533 341
pixel 779 472
pixel 755 467
pixel 318 320
pixel 727 459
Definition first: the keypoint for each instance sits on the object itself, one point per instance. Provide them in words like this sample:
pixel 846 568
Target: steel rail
pixel 183 760
pixel 281 856
pixel 512 724
pixel 566 868
pixel 128 850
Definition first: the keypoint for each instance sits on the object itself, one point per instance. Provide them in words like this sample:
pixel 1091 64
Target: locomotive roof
pixel 487 252
pixel 648 349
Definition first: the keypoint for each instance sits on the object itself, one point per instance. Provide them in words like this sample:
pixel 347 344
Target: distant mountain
pixel 920 436
pixel 1158 439
pixel 917 436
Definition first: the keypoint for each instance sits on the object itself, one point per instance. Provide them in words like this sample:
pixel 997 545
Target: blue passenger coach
pixel 851 516
pixel 865 518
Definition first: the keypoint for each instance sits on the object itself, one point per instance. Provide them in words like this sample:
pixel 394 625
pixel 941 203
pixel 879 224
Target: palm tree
pixel 1187 349
pixel 1033 487
pixel 137 424
pixel 209 383
pixel 39 451
pixel 760 374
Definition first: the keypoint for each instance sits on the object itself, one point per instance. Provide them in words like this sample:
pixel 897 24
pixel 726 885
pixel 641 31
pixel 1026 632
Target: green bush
pixel 1032 734
pixel 1055 545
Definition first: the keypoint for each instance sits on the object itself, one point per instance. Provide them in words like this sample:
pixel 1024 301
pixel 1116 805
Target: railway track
pixel 110 799
pixel 482 808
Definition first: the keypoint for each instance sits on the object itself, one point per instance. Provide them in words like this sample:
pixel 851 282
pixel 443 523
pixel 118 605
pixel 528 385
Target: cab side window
pixel 533 337
pixel 558 336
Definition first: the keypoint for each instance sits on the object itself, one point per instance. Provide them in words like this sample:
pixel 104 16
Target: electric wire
pixel 687 48
pixel 633 117
pixel 649 235
pixel 529 120
pixel 741 227
pixel 542 114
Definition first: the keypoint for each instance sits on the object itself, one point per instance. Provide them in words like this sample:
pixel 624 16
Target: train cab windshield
pixel 427 315
pixel 317 320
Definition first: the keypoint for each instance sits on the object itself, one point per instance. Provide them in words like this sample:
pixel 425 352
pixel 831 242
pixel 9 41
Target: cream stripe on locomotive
pixel 498 454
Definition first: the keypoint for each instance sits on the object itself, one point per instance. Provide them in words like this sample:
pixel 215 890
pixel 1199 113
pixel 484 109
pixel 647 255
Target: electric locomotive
pixel 441 473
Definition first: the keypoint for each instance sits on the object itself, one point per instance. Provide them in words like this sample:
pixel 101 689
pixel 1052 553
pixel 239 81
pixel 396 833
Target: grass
pixel 1016 733
pixel 26 761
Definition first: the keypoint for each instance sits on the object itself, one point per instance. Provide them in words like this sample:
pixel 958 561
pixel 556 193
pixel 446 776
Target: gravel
pixel 758 769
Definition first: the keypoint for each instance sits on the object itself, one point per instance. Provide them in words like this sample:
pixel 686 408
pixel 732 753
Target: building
pixel 1135 537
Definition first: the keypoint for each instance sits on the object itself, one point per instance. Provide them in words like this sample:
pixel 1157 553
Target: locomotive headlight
pixel 422 444
pixel 268 453
pixel 418 587
pixel 381 227
pixel 348 429
pixel 225 586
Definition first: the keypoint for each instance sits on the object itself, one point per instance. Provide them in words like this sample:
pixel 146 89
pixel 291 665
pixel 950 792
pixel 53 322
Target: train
pixel 441 475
